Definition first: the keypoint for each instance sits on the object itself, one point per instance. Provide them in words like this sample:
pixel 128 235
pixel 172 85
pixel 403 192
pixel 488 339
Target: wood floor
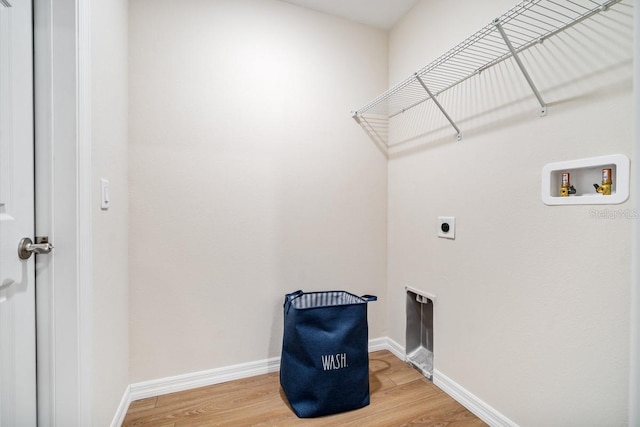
pixel 399 396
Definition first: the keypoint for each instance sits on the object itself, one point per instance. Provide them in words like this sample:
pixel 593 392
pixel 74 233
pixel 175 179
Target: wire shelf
pixel 526 24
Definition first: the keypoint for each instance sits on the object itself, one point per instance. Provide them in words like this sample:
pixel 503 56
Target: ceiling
pixel 381 14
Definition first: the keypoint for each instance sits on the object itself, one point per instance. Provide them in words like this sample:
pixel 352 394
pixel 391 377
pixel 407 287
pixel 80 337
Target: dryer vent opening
pixel 419 332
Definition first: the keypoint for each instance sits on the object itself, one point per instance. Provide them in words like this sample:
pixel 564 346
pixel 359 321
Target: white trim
pixel 85 241
pixel 123 407
pixel 634 336
pixel 43 109
pixel 467 399
pixel 177 383
pixel 63 196
pixel 397 349
pixel 377 344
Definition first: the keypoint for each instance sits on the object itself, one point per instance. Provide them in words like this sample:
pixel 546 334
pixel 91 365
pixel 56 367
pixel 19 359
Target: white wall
pixel 110 228
pixel 532 311
pixel 248 178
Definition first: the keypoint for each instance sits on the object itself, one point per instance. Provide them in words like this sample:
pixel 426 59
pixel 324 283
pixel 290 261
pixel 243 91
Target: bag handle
pixel 290 297
pixel 369 298
pixel 294 295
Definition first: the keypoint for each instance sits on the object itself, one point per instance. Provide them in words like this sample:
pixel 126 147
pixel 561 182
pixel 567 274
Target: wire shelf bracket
pixel 514 54
pixel 526 24
pixel 435 101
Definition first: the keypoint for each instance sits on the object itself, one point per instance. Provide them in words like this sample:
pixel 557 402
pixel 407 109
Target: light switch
pixel 105 199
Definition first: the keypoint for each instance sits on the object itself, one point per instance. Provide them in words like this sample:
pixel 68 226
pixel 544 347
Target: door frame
pixel 634 336
pixel 62 78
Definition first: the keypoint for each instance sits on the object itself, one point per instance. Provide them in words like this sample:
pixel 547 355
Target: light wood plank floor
pixel 399 396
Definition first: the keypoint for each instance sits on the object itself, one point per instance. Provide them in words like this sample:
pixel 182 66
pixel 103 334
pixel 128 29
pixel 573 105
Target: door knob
pixel 27 247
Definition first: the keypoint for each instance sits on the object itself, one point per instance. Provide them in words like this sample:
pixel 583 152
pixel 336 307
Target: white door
pixel 17 291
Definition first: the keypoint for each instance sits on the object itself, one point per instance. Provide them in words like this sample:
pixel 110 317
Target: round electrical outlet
pixel 447 227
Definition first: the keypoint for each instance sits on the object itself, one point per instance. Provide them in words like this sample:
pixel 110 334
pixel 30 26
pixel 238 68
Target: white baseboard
pixel 118 418
pixel 377 344
pixel 467 399
pixel 168 385
pixel 174 384
pixel 395 348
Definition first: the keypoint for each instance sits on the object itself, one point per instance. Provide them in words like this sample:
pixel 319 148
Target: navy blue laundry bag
pixel 324 368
